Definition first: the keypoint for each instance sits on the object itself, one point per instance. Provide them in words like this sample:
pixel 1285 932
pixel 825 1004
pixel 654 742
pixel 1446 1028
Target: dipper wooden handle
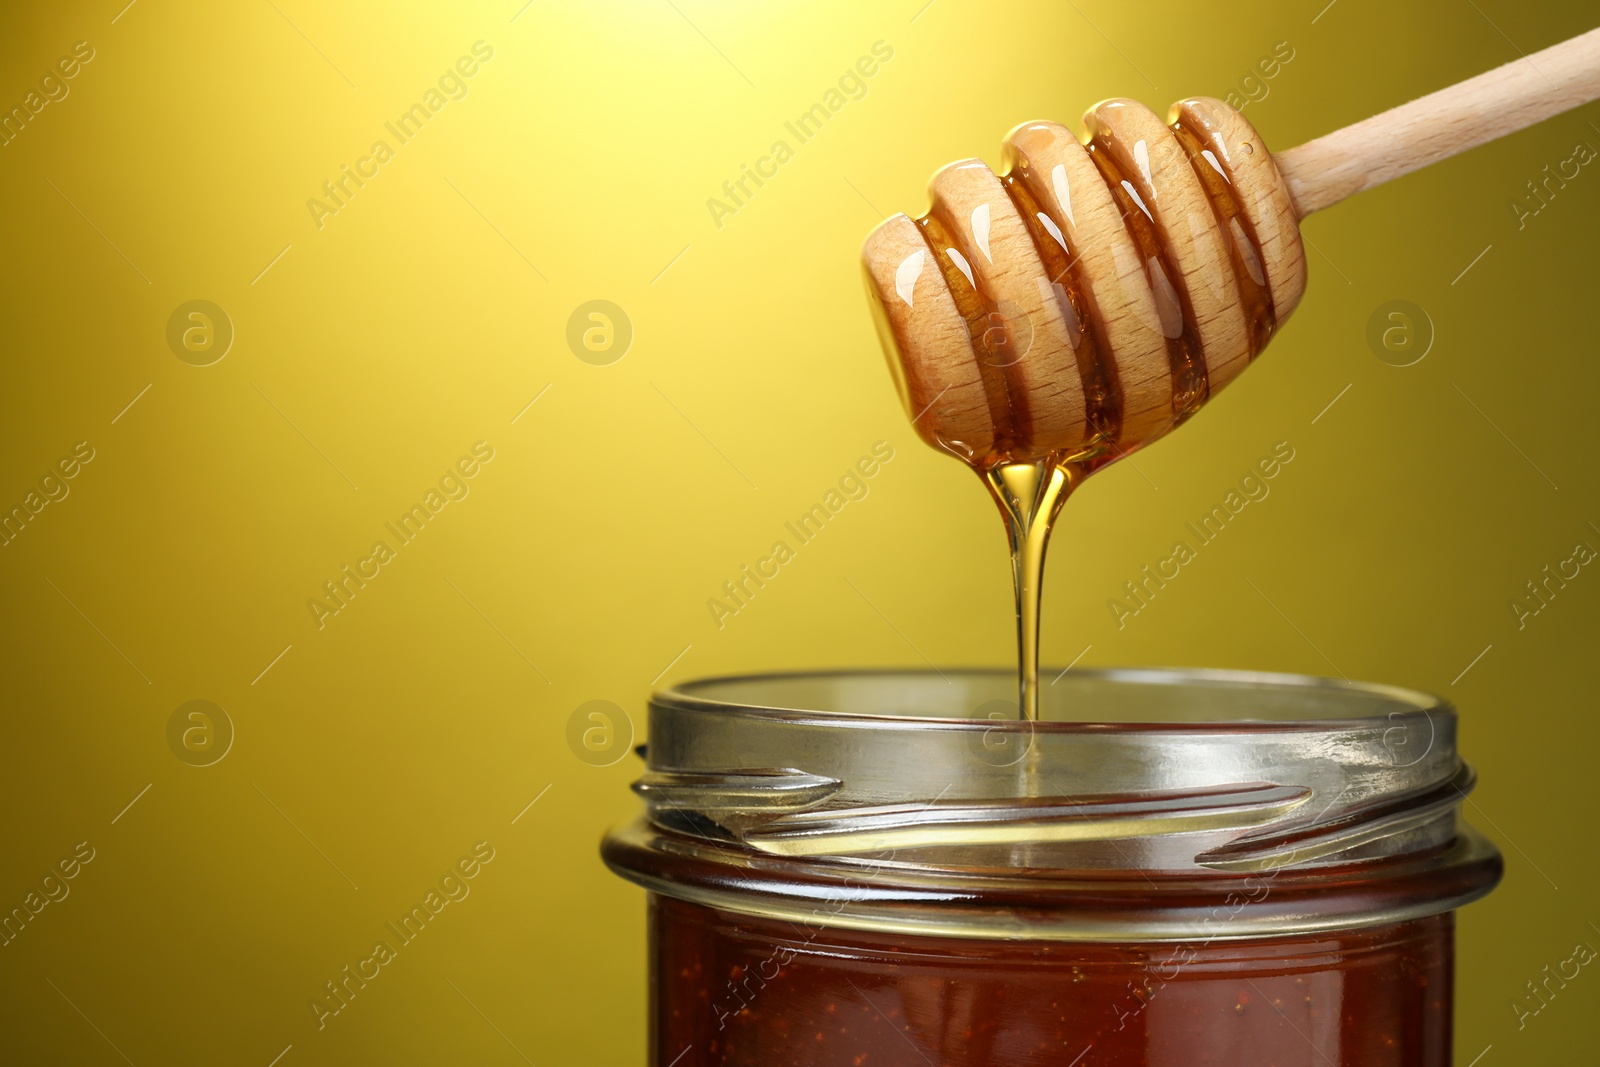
pixel 1094 295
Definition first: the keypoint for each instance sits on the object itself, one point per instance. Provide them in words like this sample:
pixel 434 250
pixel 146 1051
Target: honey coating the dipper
pixel 1092 296
pixel 1046 321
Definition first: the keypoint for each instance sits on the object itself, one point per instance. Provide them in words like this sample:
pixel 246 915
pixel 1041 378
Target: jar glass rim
pixel 848 698
pixel 926 791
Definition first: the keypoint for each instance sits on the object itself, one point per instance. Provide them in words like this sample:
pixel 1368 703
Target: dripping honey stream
pixel 1030 497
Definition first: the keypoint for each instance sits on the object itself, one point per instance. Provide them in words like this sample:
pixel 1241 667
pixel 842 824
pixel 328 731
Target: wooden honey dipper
pixel 1093 296
pixel 1046 321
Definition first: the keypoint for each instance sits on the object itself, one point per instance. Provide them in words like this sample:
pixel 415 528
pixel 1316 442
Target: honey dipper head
pixel 1092 296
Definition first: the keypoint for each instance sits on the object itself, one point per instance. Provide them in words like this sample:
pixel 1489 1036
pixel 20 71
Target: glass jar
pixel 1170 868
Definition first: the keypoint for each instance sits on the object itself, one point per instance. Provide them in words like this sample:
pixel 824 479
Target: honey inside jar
pixel 783 994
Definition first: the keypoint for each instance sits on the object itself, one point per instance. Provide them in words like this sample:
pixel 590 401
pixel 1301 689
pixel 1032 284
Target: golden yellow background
pixel 372 352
